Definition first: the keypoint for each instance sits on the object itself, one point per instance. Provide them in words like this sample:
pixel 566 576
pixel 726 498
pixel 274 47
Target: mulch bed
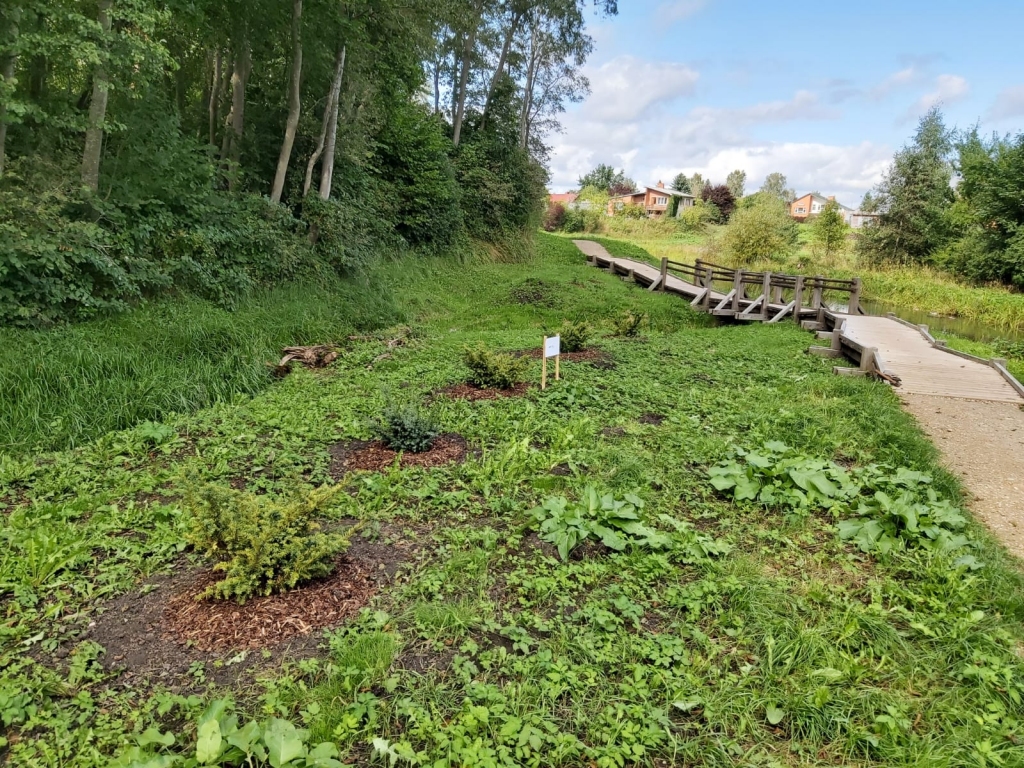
pixel 472 392
pixel 596 357
pixel 214 624
pixel 358 454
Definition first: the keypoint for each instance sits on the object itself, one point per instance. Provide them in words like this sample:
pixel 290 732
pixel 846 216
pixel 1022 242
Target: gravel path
pixel 983 443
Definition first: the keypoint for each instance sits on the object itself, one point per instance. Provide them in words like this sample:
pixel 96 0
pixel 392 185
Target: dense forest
pixel 209 146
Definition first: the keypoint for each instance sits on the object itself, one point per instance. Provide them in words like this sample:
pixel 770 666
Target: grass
pixel 756 637
pixel 60 388
pixel 920 288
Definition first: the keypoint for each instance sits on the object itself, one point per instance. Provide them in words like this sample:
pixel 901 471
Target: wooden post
pixel 854 305
pixel 664 274
pixel 798 298
pixel 777 294
pixel 543 363
pixel 611 265
pixel 837 336
pixel 867 359
pixel 558 359
pixel 816 296
pixel 697 271
pixel 708 280
pixel 766 287
pixel 737 289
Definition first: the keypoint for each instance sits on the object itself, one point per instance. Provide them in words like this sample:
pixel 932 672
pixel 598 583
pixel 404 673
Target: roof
pixel 566 197
pixel 659 190
pixel 822 199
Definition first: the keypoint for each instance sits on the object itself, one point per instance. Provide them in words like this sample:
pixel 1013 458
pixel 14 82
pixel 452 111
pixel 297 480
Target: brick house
pixel 654 199
pixel 810 205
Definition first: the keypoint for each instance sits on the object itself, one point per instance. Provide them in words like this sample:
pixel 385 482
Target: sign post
pixel 552 348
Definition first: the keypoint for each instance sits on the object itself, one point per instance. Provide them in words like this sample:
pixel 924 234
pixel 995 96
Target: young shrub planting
pixel 575 335
pixel 493 370
pixel 407 427
pixel 760 231
pixel 629 323
pixel 262 546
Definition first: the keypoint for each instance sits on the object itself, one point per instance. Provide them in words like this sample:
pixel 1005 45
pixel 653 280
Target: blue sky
pixel 823 94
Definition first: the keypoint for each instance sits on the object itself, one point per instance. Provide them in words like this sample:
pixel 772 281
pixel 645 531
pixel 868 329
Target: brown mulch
pixel 596 357
pixel 213 624
pixel 473 392
pixel 346 457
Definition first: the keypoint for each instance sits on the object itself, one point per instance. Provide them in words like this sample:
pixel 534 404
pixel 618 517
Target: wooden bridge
pixel 894 350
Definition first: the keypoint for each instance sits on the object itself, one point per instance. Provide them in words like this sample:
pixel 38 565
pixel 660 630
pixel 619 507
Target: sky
pixel 823 93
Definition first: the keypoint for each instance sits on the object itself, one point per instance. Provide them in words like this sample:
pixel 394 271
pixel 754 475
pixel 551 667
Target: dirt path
pixel 983 443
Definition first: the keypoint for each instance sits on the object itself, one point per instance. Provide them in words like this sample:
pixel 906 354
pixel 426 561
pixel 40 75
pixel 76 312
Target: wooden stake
pixel 543 364
pixel 558 359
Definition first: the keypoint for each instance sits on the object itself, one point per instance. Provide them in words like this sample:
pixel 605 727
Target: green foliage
pixel 608 180
pixel 776 185
pixel 884 509
pixel 760 231
pixel 220 741
pixel 616 524
pixel 829 229
pixel 697 217
pixel 1011 349
pixel 261 546
pixel 554 217
pixel 629 323
pixel 575 334
pixel 407 427
pixel 720 196
pixel 736 182
pixel 914 198
pixel 632 211
pixel 498 370
pixel 681 183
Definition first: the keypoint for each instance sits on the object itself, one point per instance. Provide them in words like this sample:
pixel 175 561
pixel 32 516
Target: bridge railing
pixel 772 294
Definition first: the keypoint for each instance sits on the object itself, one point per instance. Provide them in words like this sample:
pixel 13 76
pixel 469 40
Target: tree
pixel 829 229
pixel 721 197
pixel 10 19
pixel 775 184
pixel 607 179
pixel 697 185
pixel 98 104
pixel 914 198
pixel 760 232
pixel 868 203
pixel 294 104
pixel 736 181
pixel 681 182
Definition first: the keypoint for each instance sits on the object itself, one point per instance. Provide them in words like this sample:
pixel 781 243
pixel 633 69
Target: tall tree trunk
pixel 509 34
pixel 218 61
pixel 294 104
pixel 460 110
pixel 327 164
pixel 239 78
pixel 332 100
pixel 227 74
pixel 437 86
pixel 531 74
pixel 97 109
pixel 7 69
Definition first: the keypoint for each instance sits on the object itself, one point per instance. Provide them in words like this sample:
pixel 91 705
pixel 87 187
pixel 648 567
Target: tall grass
pixel 63 386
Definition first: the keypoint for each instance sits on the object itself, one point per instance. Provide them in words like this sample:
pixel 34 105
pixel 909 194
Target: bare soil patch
pixel 375 456
pixel 158 632
pixel 654 419
pixel 535 291
pixel 473 392
pixel 594 356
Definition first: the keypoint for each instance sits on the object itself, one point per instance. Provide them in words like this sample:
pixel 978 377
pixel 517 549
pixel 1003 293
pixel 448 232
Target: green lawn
pixel 713 632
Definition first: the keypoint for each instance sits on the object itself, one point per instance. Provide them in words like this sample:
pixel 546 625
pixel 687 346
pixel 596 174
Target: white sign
pixel 552 346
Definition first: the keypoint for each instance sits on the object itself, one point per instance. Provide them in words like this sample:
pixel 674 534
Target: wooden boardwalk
pixel 903 354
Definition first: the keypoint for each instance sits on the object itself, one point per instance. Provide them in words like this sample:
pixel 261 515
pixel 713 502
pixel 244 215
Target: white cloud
pixel 904 78
pixel 715 141
pixel 947 90
pixel 1009 103
pixel 626 87
pixel 674 11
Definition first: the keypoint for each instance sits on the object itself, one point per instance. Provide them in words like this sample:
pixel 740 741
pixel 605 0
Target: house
pixel 654 200
pixel 810 205
pixel 566 199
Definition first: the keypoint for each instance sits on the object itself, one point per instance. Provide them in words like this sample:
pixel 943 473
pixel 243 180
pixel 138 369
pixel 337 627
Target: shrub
pixel 695 218
pixel 722 197
pixel 407 427
pixel 496 370
pixel 629 323
pixel 554 219
pixel 632 212
pixel 575 335
pixel 261 546
pixel 760 232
